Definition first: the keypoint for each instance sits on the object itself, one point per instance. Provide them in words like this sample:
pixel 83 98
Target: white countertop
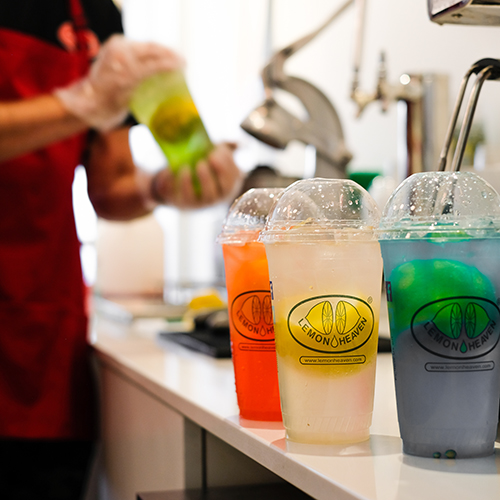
pixel 202 389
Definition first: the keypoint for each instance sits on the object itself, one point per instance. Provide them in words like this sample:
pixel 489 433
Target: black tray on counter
pixel 215 344
pixel 218 345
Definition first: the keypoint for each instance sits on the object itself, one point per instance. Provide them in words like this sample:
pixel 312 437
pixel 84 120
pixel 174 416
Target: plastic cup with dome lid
pixel 249 303
pixel 325 269
pixel 440 242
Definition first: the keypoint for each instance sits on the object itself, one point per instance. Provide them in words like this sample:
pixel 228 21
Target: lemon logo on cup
pixel 252 316
pixel 331 324
pixel 476 320
pixel 457 327
pixel 267 310
pixel 320 317
pixel 251 309
pixel 449 320
pixel 346 317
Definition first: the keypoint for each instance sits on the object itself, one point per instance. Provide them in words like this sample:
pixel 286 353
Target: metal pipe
pixel 359 40
pixel 453 121
pixel 273 72
pixel 469 115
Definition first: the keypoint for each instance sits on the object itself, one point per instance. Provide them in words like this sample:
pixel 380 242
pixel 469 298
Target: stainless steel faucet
pixel 422 108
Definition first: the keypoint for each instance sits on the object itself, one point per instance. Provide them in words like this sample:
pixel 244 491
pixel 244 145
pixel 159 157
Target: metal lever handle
pixel 273 72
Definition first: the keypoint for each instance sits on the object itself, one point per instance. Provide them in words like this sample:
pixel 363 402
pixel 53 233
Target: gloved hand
pixel 219 177
pixel 101 98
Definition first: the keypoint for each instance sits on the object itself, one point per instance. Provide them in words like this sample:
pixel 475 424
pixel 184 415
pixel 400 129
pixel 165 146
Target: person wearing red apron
pixel 47 401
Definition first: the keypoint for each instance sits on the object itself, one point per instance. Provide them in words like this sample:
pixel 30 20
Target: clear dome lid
pixel 454 204
pixel 247 216
pixel 322 209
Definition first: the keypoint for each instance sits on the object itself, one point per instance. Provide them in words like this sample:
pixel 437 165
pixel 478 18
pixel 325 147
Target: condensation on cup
pixel 249 303
pixel 325 269
pixel 440 242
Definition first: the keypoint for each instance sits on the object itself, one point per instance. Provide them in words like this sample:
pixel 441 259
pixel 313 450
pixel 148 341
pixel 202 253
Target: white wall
pixel 224 42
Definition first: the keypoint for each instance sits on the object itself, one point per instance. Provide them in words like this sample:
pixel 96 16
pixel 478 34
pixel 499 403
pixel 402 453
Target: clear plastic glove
pixel 219 177
pixel 101 98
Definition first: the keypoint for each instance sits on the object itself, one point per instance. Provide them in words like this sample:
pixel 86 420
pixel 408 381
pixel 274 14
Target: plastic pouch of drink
pixel 325 269
pixel 249 302
pixel 164 104
pixel 440 242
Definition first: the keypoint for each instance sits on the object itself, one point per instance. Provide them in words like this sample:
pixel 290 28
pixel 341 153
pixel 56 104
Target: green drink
pixel 164 104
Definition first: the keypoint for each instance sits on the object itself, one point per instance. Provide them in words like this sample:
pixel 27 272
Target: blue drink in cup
pixel 440 242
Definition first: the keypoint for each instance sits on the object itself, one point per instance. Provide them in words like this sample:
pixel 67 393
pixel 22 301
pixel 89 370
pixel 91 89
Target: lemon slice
pixel 174 119
pixel 208 300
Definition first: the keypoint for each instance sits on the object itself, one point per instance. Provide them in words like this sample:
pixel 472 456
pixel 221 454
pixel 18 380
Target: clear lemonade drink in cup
pixel 440 242
pixel 325 269
pixel 164 104
pixel 249 302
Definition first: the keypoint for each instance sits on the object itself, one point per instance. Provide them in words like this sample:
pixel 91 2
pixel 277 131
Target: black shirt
pixel 43 18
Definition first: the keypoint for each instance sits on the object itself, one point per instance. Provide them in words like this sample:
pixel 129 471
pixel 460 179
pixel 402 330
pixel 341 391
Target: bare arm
pixel 30 124
pixel 117 189
pixel 121 191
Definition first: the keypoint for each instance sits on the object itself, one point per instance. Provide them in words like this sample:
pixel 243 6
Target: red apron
pixel 45 383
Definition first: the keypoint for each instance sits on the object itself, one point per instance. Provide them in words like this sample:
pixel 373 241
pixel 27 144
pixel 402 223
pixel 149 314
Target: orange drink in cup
pixel 249 303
